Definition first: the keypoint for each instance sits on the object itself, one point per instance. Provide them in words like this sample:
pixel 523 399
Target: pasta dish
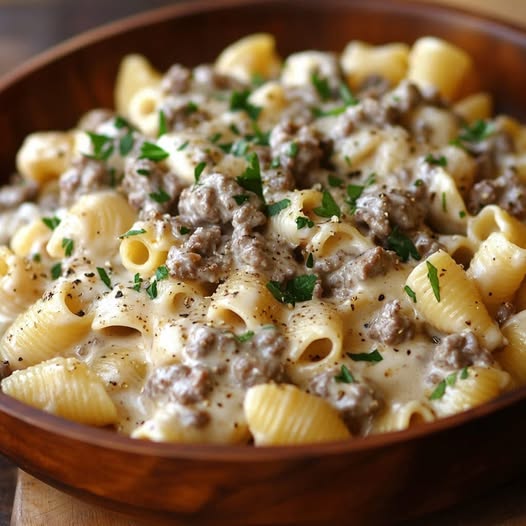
pixel 270 252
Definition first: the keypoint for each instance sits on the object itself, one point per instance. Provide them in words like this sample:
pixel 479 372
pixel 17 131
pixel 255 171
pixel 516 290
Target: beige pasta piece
pixel 481 385
pixel 436 63
pixel 460 306
pixel 252 55
pixel 94 223
pixel 43 156
pixel 315 333
pixel 178 297
pixel 498 268
pixel 48 328
pixel 492 218
pixel 135 73
pixel 477 106
pixel 143 110
pixel 360 61
pixel 64 387
pixel 21 283
pixel 243 302
pixel 272 99
pixel 403 416
pixel 299 68
pixel 513 357
pixel 31 239
pixel 361 145
pixel 441 123
pixel 519 300
pixel 283 415
pixel 329 238
pixel 460 166
pixel 460 248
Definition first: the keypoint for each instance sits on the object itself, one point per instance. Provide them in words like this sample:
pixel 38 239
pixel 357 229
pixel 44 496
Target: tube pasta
pixel 143 110
pixel 442 125
pixel 31 239
pixel 283 414
pixel 329 238
pixel 492 218
pixel 481 385
pixel 513 357
pixel 399 417
pixel 64 387
pixel 454 312
pixel 52 324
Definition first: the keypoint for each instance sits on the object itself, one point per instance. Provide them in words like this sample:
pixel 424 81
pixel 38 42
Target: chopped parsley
pixel 144 172
pixel 102 146
pixel 354 191
pixel 439 391
pixel 198 170
pixel 191 107
pixel 334 181
pixel 436 161
pixel 293 149
pixel 276 208
pixel 250 179
pixel 347 95
pixel 183 146
pixel 56 270
pixel 402 245
pixel 432 275
pixel 239 102
pixel 310 261
pixel 104 277
pixel 276 163
pixel 476 132
pixel 245 337
pixel 161 273
pixel 131 233
pixel 302 222
pixel 462 214
pixel 152 152
pixel 126 144
pixel 37 258
pixel 259 137
pixel 67 245
pixel 51 222
pixel 160 196
pixel 328 207
pixel 214 138
pixel 373 356
pixel 322 86
pixel 151 290
pixel 450 380
pixel 163 128
pixel 410 292
pixel 234 129
pixel 137 280
pixel 295 290
pixel 241 198
pixel 184 230
pixel 418 182
pixel 464 373
pixel 257 79
pixel 345 376
pixel 121 122
pixel 239 148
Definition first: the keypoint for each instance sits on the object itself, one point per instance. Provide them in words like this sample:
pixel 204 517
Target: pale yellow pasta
pixel 460 248
pixel 388 150
pixel 397 417
pixel 135 73
pixel 498 268
pixel 438 64
pixel 31 239
pixel 94 223
pixel 315 333
pixel 520 297
pixel 283 415
pixel 21 283
pixel 252 55
pixel 447 212
pixel 460 166
pixel 359 146
pixel 178 297
pixel 512 357
pixel 64 387
pixel 272 99
pixel 492 218
pixel 143 110
pixel 474 107
pixel 360 61
pixel 441 125
pixel 43 156
pixel 50 326
pixel 168 342
pixel 243 302
pixel 299 68
pixel 481 385
pixel 329 238
pixel 460 306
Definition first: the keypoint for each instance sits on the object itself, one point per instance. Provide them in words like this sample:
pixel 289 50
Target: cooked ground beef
pixel 18 191
pixel 207 78
pixel 93 119
pixel 176 80
pixel 84 177
pixel 391 325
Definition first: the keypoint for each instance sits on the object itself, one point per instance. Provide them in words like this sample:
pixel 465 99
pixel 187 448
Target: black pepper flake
pixel 119 294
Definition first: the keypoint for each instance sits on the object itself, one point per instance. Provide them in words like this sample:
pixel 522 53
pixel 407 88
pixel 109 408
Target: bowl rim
pixel 112 440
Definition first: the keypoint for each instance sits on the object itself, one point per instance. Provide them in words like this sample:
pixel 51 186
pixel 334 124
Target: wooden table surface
pixel 29 26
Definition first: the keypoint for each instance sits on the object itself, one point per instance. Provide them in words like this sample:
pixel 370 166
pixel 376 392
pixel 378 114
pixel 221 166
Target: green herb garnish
pixel 184 230
pixel 322 86
pixel 276 208
pixel 160 196
pixel 56 270
pixel 302 222
pixel 152 152
pixel 144 172
pixel 241 198
pixel 373 356
pixel 137 280
pixel 198 170
pixel 410 292
pixel 191 107
pixel 439 391
pixel 444 202
pixel 152 289
pixel 239 102
pixel 250 179
pixel 67 245
pixel 310 261
pixel 402 245
pixel 436 161
pixel 163 128
pixel 161 273
pixel 131 233
pixel 345 376
pixel 104 277
pixel 295 290
pixel 432 275
pixel 245 337
pixel 239 148
pixel 183 146
pixel 464 373
pixel 126 144
pixel 476 132
pixel 347 96
pixel 462 214
pixel 51 222
pixel 334 181
pixel 328 207
pixel 214 138
pixel 102 146
pixel 293 149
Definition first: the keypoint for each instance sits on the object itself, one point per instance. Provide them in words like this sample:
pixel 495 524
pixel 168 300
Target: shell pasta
pixel 270 250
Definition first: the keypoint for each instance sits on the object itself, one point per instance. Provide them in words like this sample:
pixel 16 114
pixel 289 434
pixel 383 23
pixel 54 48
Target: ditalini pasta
pixel 270 251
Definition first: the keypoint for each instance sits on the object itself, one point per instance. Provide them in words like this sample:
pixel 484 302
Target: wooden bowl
pixel 374 480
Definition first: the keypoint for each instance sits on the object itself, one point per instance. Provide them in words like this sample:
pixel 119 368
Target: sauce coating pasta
pixel 269 252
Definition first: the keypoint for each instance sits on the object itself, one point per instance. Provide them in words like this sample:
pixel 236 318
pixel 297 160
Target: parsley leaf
pixel 464 373
pixel 257 79
pixel 345 376
pixel 354 191
pixel 322 86
pixel 151 289
pixel 121 122
pixel 241 198
pixel 239 148
pixel 477 132
pixel 56 270
pixel 51 222
pixel 250 179
pixel 439 391
pixel 160 197
pixel 302 222
pixel 293 149
pixel 462 214
pixel 183 146
pixel 295 290
pixel 152 152
pixel 104 277
pixel 126 144
pixel 198 170
pixel 328 206
pixel 410 292
pixel 163 128
pixel 184 230
pixel 276 208
pixel 402 245
pixel 161 273
pixel 191 107
pixel 334 181
pixel 143 171
pixel 102 146
pixel 131 233
pixel 214 138
pixel 451 379
pixel 373 356
pixel 347 96
pixel 245 337
pixel 310 261
pixel 67 245
pixel 239 102
pixel 436 161
pixel 432 275
pixel 137 280
pixel 276 163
